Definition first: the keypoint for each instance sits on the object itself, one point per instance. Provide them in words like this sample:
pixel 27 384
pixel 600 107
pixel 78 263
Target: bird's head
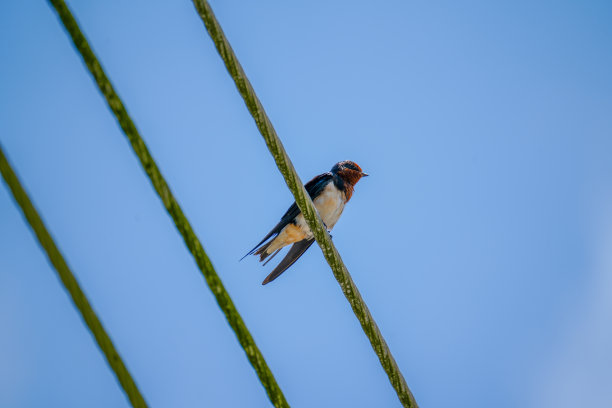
pixel 349 171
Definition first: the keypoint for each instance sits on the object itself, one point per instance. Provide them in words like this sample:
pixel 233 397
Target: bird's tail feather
pixel 263 251
pixel 296 251
pixel 256 250
pixel 272 256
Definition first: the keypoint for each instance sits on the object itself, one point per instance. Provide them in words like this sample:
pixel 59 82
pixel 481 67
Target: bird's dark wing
pixel 293 255
pixel 314 187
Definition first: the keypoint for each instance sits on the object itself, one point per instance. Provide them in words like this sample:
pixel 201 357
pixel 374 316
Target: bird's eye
pixel 350 166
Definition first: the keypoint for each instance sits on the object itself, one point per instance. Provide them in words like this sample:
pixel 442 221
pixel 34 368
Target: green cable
pixel 163 190
pixel 70 283
pixel 305 204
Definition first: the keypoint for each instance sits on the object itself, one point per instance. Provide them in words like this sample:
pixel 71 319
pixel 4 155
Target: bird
pixel 329 192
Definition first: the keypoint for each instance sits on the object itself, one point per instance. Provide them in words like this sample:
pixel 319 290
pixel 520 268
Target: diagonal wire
pixel 180 220
pixel 71 284
pixel 305 203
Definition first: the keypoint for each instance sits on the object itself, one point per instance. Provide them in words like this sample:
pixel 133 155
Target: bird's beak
pixel 364 174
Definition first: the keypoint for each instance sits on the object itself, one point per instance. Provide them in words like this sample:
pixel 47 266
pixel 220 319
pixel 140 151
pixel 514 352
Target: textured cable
pixel 71 284
pixel 305 203
pixel 163 190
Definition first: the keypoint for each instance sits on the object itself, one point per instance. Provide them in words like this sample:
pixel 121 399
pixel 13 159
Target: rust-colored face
pixel 349 171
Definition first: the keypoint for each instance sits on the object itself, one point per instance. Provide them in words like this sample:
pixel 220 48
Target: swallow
pixel 329 192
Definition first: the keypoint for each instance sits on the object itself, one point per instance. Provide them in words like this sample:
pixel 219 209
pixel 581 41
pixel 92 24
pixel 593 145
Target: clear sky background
pixel 482 241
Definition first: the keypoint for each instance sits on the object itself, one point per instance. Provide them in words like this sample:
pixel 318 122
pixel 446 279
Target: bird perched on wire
pixel 330 192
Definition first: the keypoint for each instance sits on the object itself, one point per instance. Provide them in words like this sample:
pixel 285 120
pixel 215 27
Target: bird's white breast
pixel 329 204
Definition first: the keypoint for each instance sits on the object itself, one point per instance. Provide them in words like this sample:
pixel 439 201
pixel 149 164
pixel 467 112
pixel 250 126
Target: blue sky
pixel 481 242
